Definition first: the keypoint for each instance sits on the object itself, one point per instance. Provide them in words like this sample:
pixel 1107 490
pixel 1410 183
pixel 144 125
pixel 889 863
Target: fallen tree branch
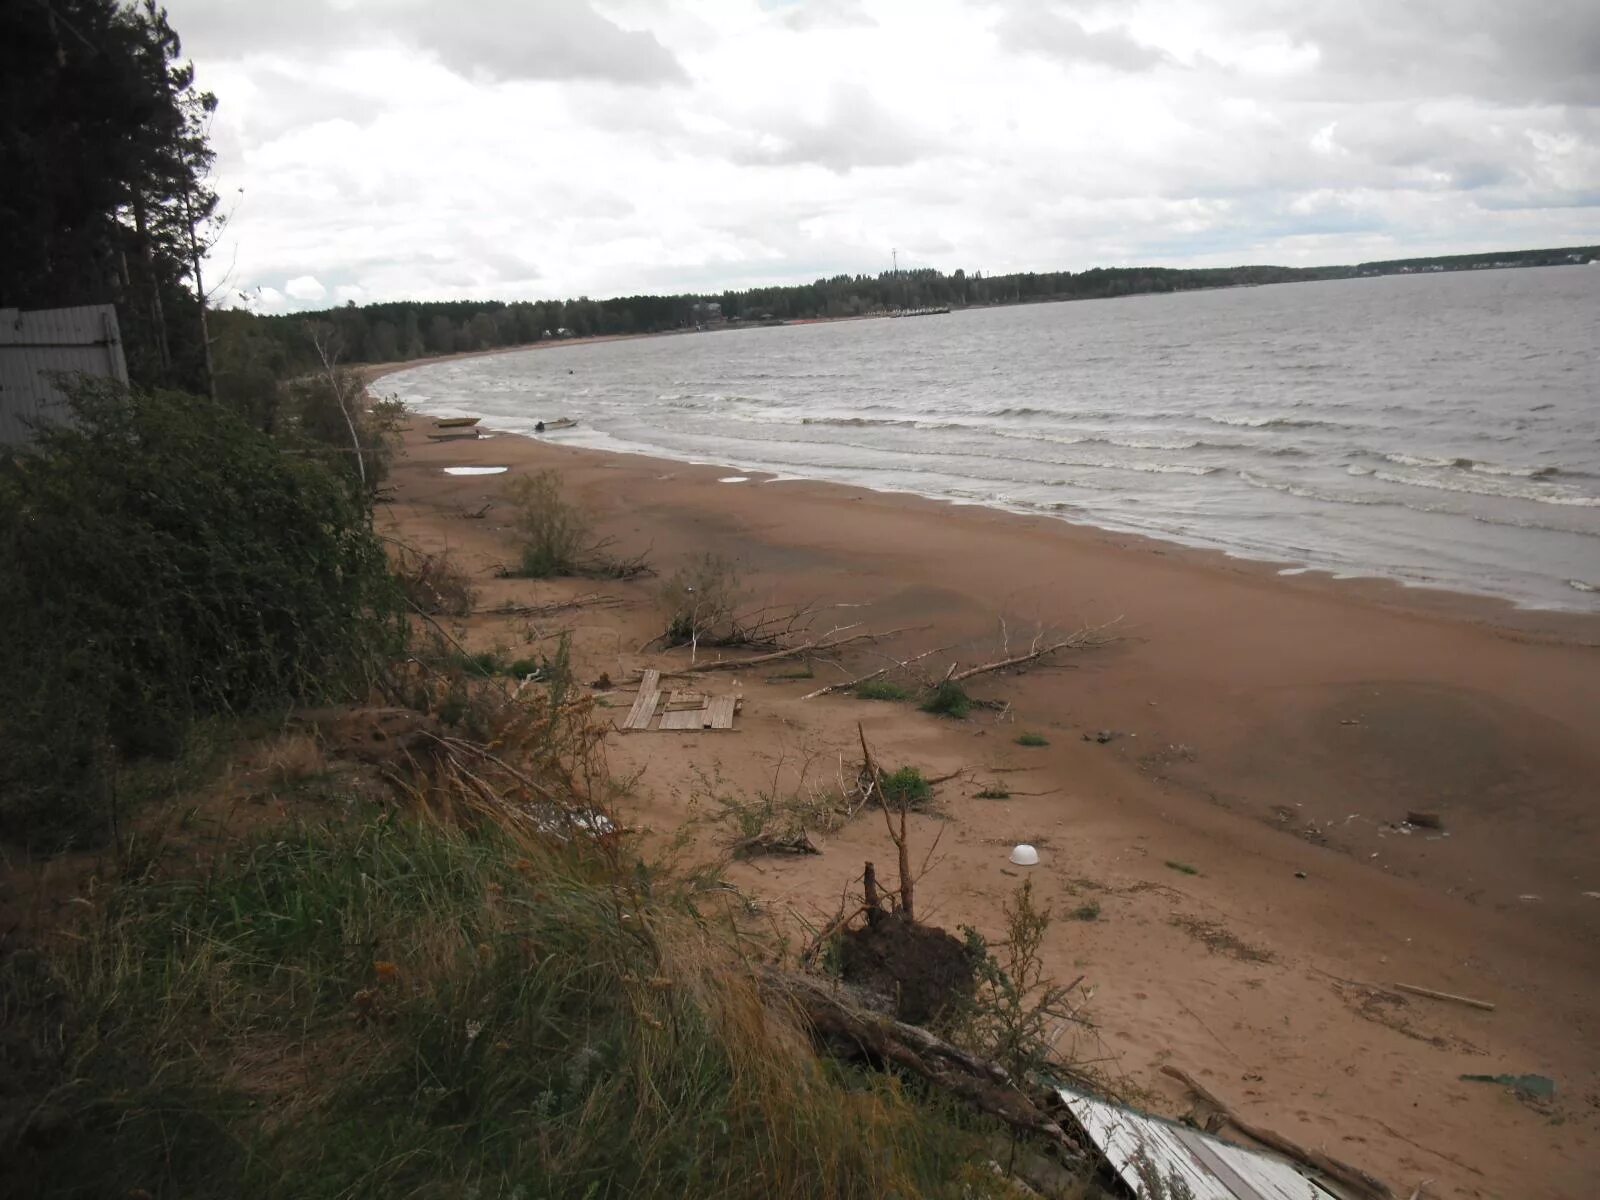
pixel 1433 995
pixel 816 645
pixel 592 600
pixel 983 1084
pixel 1077 641
pixel 1351 1177
pixel 878 674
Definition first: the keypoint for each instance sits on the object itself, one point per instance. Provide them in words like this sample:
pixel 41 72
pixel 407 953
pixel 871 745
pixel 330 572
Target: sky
pixel 530 149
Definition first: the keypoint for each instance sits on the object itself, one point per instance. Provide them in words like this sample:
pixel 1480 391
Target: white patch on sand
pixel 475 470
pixel 735 479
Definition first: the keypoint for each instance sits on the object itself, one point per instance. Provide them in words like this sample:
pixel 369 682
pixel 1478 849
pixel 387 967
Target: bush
pixel 701 601
pixel 161 562
pixel 434 584
pixel 553 533
pixel 1032 739
pixel 878 689
pixel 906 788
pixel 948 700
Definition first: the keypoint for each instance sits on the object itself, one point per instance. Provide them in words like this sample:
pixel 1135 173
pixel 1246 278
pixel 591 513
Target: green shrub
pixel 879 689
pixel 161 561
pixel 1182 868
pixel 553 533
pixel 948 700
pixel 907 788
pixel 1032 739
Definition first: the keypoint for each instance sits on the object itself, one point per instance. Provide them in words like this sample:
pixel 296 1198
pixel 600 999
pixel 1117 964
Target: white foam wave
pixel 1500 491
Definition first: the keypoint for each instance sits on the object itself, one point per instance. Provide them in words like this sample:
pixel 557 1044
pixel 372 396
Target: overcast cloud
pixel 382 149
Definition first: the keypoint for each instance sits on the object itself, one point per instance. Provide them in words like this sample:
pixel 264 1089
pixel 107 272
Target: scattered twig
pixel 590 600
pixel 827 641
pixel 1451 996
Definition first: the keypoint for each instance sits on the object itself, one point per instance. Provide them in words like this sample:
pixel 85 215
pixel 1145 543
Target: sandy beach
pixel 1242 831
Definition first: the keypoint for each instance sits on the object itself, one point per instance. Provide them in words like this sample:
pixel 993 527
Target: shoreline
pixel 1270 731
pixel 1564 625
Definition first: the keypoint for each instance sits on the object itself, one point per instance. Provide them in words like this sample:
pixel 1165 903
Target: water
pixel 1439 430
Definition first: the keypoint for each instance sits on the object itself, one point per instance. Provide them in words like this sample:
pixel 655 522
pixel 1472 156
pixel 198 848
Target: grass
pixel 947 700
pixel 1032 739
pixel 1183 868
pixel 1087 912
pixel 880 689
pixel 992 793
pixel 394 1006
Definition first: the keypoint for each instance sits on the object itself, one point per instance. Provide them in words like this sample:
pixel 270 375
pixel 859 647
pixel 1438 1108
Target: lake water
pixel 1440 430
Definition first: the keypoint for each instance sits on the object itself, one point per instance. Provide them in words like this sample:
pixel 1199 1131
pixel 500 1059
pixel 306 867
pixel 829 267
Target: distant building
pixel 39 349
pixel 707 312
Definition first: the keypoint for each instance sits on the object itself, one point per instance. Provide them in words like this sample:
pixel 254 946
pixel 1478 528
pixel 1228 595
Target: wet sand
pixel 1271 733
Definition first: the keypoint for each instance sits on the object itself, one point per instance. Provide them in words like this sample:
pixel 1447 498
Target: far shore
pixel 1268 735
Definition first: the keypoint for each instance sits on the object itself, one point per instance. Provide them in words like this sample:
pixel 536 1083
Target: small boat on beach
pixel 558 423
pixel 455 422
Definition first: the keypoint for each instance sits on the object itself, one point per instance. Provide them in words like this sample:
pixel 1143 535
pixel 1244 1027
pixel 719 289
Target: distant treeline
pixel 400 331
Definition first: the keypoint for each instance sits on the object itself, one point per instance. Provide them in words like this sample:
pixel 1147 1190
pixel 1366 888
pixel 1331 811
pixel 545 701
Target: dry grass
pixel 436 584
pixel 293 759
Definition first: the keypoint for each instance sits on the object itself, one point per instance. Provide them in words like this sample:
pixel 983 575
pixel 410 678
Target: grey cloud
pixel 1542 51
pixel 856 131
pixel 550 39
pixel 497 39
pixel 1052 34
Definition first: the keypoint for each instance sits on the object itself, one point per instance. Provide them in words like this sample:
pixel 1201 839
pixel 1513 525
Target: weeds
pixel 1032 739
pixel 879 689
pixel 1017 1011
pixel 1087 912
pixel 1182 868
pixel 948 699
pixel 992 793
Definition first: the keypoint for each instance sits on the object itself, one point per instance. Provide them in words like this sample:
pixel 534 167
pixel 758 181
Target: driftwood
pixel 878 674
pixel 983 1084
pixel 815 646
pixel 592 600
pixel 1082 638
pixel 1433 995
pixel 1353 1178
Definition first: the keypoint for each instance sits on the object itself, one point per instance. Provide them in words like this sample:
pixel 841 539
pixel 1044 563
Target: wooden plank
pixel 644 707
pixel 685 698
pixel 692 718
pixel 721 710
pixel 650 681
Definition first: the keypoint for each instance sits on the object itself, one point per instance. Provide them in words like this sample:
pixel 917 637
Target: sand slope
pixel 1268 726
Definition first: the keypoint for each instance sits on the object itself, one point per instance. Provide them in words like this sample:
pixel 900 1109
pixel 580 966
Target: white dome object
pixel 1025 856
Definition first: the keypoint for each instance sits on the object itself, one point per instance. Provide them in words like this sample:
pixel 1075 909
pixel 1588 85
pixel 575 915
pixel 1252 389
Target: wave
pixel 1269 422
pixel 1462 485
pixel 1472 464
pixel 858 422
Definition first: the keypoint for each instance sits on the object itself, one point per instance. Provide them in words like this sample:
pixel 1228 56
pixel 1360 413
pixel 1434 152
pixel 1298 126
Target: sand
pixel 1272 733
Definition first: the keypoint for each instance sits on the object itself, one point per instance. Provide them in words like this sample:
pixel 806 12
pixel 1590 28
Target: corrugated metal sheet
pixel 1138 1145
pixel 36 347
